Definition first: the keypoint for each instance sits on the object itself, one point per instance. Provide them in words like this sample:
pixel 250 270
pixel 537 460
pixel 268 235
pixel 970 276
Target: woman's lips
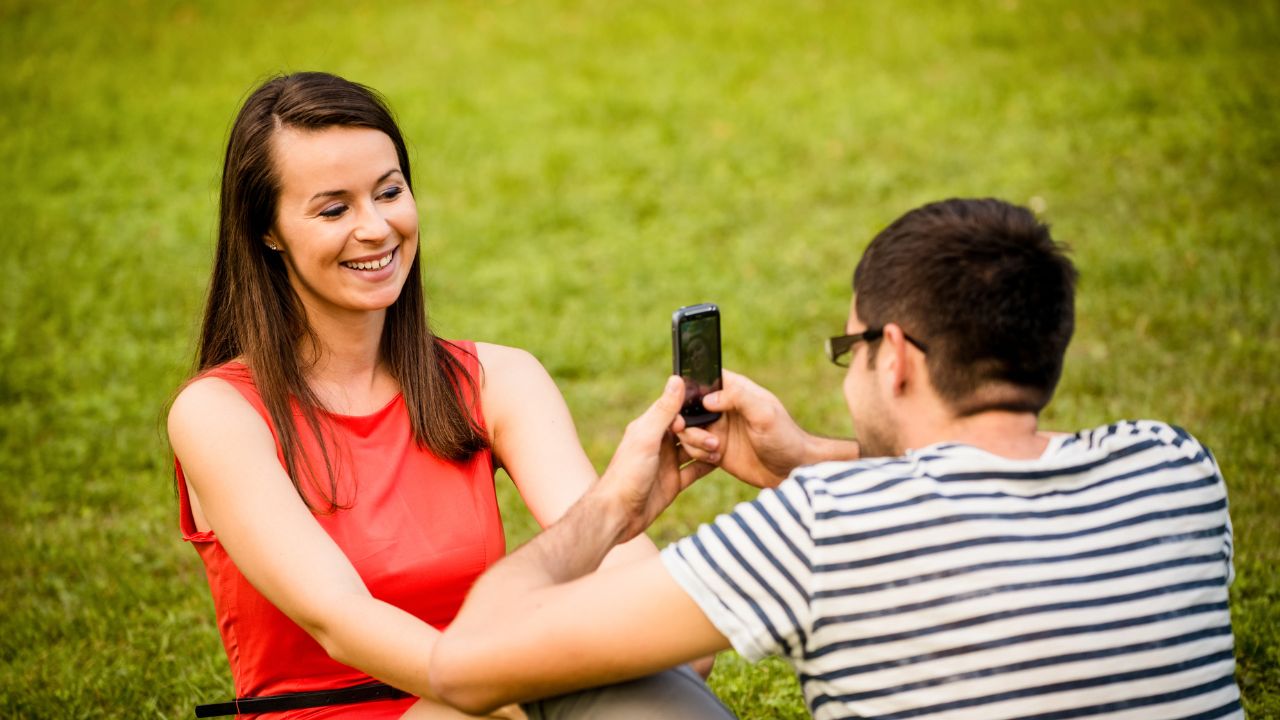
pixel 376 263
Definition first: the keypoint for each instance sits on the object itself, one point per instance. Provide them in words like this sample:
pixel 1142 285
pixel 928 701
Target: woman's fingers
pixel 691 472
pixel 662 413
pixel 700 444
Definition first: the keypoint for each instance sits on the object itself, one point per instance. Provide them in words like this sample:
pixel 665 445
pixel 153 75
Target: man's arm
pixel 537 624
pixel 755 439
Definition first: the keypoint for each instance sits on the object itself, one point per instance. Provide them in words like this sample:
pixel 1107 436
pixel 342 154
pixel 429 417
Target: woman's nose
pixel 371 225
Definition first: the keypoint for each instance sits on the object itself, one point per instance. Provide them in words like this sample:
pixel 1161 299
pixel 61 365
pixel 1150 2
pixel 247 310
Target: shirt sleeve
pixel 1227 546
pixel 1190 447
pixel 750 571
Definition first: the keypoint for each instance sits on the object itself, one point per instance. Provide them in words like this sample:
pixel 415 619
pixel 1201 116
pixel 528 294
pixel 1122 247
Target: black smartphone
pixel 695 347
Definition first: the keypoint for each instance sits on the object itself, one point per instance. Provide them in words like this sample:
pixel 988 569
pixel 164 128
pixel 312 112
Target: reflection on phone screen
pixel 700 350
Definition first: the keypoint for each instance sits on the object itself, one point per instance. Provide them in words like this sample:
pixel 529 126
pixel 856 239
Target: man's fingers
pixel 729 398
pixel 717 401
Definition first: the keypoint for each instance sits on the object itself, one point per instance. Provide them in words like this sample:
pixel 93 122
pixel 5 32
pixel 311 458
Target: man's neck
pixel 1005 433
pixel 1008 434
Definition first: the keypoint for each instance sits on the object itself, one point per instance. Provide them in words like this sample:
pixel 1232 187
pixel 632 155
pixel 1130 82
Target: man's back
pixel 1091 581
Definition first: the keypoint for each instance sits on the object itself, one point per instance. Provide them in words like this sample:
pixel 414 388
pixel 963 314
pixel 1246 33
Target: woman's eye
pixel 392 192
pixel 333 211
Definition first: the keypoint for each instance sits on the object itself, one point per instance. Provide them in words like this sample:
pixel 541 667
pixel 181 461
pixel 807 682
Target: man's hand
pixel 648 469
pixel 755 439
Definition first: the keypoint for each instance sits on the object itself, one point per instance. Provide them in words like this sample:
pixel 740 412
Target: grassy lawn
pixel 584 168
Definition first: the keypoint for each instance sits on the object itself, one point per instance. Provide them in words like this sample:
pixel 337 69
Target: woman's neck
pixel 344 367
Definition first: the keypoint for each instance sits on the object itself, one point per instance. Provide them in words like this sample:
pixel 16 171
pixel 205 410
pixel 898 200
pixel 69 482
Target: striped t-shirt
pixel 950 582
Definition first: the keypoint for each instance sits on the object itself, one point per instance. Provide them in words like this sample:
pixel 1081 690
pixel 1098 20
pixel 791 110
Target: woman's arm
pixel 534 439
pixel 241 492
pixel 540 622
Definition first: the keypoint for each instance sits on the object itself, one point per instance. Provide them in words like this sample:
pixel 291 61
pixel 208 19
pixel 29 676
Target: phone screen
pixel 698 359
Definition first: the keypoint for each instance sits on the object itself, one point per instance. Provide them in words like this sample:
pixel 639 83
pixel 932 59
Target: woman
pixel 335 459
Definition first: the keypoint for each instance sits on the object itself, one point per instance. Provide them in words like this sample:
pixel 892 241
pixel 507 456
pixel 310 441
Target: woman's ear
pixel 270 240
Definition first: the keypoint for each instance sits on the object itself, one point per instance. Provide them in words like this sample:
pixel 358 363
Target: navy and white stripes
pixel 1091 582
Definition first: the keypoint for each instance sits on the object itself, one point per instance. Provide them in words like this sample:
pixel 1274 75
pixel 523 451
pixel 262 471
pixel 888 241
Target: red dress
pixel 418 529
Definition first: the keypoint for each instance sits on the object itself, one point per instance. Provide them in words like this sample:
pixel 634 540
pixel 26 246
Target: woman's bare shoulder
pixel 506 364
pixel 209 404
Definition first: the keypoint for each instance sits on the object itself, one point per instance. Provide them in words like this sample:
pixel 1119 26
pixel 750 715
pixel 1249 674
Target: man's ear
pixel 899 368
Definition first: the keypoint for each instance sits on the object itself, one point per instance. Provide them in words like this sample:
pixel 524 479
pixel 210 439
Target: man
pixel 976 567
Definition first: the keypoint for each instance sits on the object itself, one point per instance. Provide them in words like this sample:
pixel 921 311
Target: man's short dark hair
pixel 986 288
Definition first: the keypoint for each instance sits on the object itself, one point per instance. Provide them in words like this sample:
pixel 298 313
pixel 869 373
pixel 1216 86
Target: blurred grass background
pixel 583 168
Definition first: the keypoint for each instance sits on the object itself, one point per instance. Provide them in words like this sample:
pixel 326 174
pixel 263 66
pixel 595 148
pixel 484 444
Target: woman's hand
pixel 648 469
pixel 535 441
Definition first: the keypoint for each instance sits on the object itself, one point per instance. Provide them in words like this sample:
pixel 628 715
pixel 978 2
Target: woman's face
pixel 346 221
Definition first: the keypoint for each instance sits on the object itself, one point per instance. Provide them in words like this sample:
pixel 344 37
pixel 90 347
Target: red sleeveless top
pixel 418 529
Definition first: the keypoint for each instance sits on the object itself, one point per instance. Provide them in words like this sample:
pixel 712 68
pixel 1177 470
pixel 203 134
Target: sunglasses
pixel 839 348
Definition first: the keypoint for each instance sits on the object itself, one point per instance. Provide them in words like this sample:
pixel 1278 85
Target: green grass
pixel 584 168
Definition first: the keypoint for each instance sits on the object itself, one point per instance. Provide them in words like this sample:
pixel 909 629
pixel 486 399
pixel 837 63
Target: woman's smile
pixel 370 264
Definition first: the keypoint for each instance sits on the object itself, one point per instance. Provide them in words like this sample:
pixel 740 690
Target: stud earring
pixel 274 247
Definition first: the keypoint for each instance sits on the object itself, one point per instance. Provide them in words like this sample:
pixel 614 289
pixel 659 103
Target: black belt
pixel 296 701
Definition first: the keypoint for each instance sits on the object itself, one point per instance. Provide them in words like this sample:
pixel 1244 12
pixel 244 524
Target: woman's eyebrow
pixel 339 193
pixel 328 193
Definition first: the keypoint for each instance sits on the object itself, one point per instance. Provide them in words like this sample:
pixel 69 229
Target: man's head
pixel 984 289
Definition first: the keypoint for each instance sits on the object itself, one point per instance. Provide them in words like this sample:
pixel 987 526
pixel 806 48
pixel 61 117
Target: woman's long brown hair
pixel 253 312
